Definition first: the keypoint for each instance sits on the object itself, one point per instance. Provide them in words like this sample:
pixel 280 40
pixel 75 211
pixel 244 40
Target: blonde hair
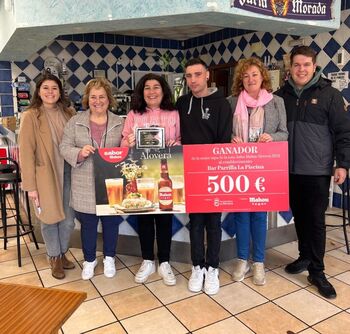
pixel 242 67
pixel 98 83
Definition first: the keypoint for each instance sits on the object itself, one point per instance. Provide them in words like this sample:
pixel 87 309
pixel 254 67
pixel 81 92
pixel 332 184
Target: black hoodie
pixel 205 120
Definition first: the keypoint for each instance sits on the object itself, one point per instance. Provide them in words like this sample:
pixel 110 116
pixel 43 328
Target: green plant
pixel 164 60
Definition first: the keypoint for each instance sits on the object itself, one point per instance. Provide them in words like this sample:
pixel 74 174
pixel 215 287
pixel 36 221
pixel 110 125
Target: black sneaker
pixel 325 288
pixel 297 267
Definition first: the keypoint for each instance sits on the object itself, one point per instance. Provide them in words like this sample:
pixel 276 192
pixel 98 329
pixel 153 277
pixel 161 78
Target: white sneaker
pixel 211 284
pixel 165 271
pixel 109 266
pixel 147 268
pixel 88 269
pixel 195 282
pixel 240 269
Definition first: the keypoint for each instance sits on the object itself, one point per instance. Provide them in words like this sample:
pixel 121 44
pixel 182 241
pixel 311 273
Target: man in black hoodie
pixel 319 132
pixel 205 118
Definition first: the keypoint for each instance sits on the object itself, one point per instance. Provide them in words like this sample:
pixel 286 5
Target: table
pixel 29 309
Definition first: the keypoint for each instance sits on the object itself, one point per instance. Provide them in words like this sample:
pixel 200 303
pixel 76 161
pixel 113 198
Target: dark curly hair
pixel 63 102
pixel 138 103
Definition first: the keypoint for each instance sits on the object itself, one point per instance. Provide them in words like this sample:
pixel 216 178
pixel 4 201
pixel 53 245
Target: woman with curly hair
pixel 258 116
pixel 151 105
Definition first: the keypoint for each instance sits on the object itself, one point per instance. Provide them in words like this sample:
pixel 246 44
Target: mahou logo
pixel 114 154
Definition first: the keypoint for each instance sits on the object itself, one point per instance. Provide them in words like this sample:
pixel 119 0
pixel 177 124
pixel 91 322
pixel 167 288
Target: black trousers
pixel 211 222
pixel 309 200
pixel 159 226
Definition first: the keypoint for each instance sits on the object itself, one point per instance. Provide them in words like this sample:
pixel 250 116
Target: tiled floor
pixel 286 304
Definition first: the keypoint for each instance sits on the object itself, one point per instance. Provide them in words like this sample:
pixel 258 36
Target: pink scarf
pixel 242 121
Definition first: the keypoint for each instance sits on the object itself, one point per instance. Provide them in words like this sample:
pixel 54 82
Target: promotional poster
pixel 192 178
pixel 139 181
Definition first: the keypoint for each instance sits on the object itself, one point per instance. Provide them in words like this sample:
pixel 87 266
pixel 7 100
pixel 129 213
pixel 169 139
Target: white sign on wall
pixel 340 80
pixel 275 76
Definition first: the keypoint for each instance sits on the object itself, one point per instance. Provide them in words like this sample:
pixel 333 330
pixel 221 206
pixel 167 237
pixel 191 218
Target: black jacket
pixel 319 128
pixel 206 120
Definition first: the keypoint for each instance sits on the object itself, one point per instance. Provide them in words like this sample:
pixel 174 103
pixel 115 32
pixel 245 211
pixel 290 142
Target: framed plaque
pixel 150 138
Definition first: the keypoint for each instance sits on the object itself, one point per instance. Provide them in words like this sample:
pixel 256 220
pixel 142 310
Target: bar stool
pixel 345 204
pixel 9 174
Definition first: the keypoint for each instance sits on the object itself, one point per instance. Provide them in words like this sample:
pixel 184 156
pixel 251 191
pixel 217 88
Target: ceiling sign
pixel 290 9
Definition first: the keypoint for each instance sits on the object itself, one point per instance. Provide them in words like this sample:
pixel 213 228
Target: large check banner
pixel 236 177
pixel 192 178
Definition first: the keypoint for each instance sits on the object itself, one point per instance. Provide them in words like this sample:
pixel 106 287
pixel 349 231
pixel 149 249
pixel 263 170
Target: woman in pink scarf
pixel 258 116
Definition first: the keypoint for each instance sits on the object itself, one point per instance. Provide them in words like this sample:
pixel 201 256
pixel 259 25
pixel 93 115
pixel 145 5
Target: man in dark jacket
pixel 319 132
pixel 205 118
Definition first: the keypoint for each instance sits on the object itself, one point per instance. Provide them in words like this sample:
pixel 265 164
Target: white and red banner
pixel 234 178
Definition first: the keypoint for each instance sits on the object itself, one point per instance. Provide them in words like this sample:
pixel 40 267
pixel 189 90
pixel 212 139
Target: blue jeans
pixel 251 225
pixel 110 231
pixel 57 236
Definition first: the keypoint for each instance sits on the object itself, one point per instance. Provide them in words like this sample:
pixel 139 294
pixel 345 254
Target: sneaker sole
pixel 242 278
pixel 143 280
pixel 195 290
pixel 214 292
pixel 210 293
pixel 259 283
pixel 109 275
pixel 167 282
pixel 87 278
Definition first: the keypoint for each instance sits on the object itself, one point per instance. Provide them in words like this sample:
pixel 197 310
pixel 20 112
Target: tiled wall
pixel 82 58
pixel 6 95
pixel 118 55
pixel 276 45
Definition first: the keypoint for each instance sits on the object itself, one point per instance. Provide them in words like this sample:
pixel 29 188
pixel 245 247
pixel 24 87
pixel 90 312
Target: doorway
pixel 221 76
